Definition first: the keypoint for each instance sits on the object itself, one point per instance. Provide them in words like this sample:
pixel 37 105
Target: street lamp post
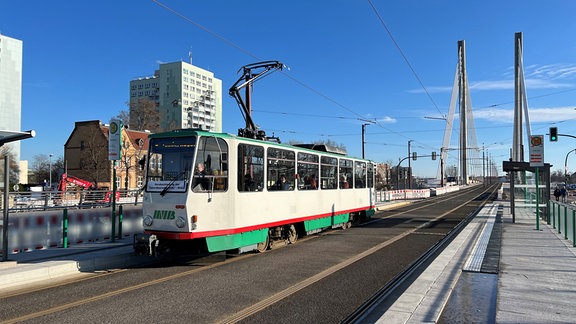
pixel 50 171
pixel 566 167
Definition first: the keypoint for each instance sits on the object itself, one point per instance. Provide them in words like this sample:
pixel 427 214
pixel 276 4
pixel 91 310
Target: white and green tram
pixel 218 192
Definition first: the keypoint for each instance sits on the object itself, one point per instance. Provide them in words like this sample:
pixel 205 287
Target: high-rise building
pixel 11 89
pixel 186 96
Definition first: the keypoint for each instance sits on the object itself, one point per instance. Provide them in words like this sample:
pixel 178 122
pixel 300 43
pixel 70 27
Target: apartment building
pixel 186 96
pixel 11 88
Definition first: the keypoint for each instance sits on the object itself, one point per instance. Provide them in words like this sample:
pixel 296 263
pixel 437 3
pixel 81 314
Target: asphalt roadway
pixel 532 279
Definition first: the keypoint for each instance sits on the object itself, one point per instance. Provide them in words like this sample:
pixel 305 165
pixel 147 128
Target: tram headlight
pixel 148 220
pixel 180 222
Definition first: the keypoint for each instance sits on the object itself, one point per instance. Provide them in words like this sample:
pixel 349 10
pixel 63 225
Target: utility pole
pixel 363 138
pixel 409 168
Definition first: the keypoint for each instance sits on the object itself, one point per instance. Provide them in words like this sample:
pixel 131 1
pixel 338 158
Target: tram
pixel 217 192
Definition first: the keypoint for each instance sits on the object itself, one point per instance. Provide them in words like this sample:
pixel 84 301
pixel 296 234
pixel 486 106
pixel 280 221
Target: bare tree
pixel 144 115
pixel 124 116
pixel 94 158
pixel 14 168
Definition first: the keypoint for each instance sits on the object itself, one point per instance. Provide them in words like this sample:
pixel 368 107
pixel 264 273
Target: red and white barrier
pixel 30 231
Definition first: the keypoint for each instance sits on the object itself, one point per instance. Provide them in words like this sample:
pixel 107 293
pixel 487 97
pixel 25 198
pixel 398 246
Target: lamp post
pixel 566 167
pixel 50 171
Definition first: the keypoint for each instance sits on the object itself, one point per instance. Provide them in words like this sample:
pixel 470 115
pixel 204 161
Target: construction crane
pixel 250 74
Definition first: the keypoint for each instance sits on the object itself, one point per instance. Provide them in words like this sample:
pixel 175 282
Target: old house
pixel 86 155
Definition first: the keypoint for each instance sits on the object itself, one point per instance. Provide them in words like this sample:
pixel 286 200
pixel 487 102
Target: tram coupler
pixel 145 244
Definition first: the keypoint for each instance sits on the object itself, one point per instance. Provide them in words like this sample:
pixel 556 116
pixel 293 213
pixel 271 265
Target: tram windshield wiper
pixel 165 190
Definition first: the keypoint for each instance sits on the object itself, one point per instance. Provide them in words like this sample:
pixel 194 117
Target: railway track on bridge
pixel 325 278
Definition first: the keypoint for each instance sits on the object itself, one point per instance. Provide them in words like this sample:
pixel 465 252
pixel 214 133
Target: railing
pixel 563 218
pixel 45 200
pixel 35 230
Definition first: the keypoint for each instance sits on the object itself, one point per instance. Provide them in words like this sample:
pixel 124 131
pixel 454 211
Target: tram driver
pixel 201 182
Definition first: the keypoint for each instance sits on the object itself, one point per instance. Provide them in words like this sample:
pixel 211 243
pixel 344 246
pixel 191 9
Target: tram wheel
pixel 263 246
pixel 292 234
pixel 346 225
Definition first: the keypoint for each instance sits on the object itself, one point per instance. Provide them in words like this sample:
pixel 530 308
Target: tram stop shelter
pixel 529 188
pixel 7 137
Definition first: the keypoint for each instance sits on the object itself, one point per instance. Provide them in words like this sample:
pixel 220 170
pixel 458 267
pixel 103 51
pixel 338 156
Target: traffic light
pixel 553 134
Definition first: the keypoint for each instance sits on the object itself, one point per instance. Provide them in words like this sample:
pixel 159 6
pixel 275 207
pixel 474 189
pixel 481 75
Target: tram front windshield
pixel 170 164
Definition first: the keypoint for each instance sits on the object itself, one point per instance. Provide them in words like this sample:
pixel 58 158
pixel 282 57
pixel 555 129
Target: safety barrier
pixel 29 231
pixel 563 218
pixel 389 195
pixel 443 190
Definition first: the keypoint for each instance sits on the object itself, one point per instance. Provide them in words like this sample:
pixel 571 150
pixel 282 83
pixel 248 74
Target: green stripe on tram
pixel 320 223
pixel 234 241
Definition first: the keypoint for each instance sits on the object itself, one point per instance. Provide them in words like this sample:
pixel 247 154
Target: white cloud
pixel 535 77
pixel 536 115
pixel 387 120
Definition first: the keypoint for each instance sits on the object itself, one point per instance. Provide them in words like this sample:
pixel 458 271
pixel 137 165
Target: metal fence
pixel 45 200
pixel 35 230
pixel 563 218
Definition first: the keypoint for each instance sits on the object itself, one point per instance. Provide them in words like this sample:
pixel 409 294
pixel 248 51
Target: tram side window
pixel 346 174
pixel 328 172
pixel 307 176
pixel 360 174
pixel 211 169
pixel 370 181
pixel 280 169
pixel 250 167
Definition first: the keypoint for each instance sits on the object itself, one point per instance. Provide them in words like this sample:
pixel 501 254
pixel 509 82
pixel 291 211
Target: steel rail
pixel 415 267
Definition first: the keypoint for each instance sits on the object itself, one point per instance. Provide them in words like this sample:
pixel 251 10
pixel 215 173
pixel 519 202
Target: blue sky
pixel 343 65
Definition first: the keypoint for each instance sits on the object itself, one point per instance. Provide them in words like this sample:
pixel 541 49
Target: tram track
pixel 386 291
pixel 304 280
pixel 399 282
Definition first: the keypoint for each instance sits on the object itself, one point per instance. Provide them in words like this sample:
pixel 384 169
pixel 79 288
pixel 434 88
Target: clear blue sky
pixel 79 57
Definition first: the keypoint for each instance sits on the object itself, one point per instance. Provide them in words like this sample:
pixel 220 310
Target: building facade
pixel 86 156
pixel 11 89
pixel 186 97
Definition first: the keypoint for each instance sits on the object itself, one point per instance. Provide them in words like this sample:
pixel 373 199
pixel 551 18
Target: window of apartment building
pixel 210 80
pixel 185 79
pixel 185 71
pixel 192 74
pixel 140 86
pixel 203 85
pixel 133 87
pixel 204 78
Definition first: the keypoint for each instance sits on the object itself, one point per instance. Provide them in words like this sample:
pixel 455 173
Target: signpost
pixel 537 161
pixel 114 154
